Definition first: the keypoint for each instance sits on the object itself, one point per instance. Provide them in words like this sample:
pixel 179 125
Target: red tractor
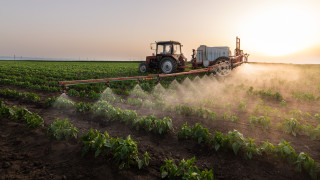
pixel 168 58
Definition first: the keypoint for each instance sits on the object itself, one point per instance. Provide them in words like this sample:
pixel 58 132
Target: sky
pixel 285 31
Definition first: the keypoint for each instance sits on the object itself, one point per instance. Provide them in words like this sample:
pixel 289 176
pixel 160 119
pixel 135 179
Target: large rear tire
pixel 168 65
pixel 224 66
pixel 143 67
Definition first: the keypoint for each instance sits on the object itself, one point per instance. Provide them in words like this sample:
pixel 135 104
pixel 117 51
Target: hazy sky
pixel 270 30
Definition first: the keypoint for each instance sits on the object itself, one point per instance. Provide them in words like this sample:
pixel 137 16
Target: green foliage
pixel 83 107
pixel 196 132
pixel 286 152
pixel 231 117
pixel 242 106
pixel 200 112
pixel 307 163
pixel 34 120
pixel 264 121
pixel 59 129
pixel 50 101
pixel 73 92
pixel 63 103
pixel 291 126
pixel 151 123
pixel 124 151
pixel 185 170
pixel 265 94
pixel 303 96
pixel 93 95
pixel 16 94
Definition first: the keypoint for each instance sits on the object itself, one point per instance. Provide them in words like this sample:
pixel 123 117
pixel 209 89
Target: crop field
pixel 261 122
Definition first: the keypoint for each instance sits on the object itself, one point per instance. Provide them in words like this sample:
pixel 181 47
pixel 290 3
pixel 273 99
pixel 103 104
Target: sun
pixel 280 30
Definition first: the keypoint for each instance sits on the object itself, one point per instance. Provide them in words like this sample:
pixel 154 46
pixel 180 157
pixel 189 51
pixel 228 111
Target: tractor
pixel 168 58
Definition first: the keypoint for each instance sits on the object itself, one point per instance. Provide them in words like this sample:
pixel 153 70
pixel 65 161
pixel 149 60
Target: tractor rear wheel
pixel 143 67
pixel 168 65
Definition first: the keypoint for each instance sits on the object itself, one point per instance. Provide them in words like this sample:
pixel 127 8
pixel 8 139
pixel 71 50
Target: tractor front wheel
pixel 144 67
pixel 168 65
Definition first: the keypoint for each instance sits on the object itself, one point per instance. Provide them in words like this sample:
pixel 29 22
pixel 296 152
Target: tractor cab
pixel 168 58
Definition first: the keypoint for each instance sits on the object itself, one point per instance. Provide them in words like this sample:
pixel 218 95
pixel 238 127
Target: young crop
pixel 196 132
pixel 242 106
pixel 151 123
pixel 63 103
pixel 135 102
pixel 62 129
pixel 93 95
pixel 265 94
pixel 124 151
pixel 32 97
pixel 108 95
pixel 73 92
pixel 16 94
pixel 83 107
pixel 264 121
pixel 238 142
pixel 34 120
pixel 185 170
pixel 304 161
pixel 50 101
pixel 313 132
pixel 231 117
pixel 286 152
pixel 303 96
pixel 291 126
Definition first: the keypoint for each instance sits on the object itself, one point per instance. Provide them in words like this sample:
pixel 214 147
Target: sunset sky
pixel 270 30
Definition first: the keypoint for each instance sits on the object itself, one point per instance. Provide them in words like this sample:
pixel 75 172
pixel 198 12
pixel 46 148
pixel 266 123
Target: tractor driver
pixel 168 49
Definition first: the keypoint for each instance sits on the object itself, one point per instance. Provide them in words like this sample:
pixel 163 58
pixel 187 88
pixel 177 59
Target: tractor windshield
pixel 164 49
pixel 176 49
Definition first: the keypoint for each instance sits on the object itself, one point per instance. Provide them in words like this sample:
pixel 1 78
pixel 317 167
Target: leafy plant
pixel 196 132
pixel 290 126
pixel 62 129
pixel 264 121
pixel 185 169
pixel 63 103
pixel 83 107
pixel 50 101
pixel 34 120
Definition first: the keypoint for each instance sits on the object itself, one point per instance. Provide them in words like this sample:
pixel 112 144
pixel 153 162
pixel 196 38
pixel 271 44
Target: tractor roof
pixel 168 42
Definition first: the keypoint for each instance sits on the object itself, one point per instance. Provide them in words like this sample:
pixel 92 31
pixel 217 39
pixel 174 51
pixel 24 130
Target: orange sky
pixel 270 31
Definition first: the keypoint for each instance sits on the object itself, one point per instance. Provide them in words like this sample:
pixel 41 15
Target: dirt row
pixel 225 164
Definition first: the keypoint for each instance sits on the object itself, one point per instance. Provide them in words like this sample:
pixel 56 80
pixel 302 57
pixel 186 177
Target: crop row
pixel 236 142
pixel 16 94
pixel 33 120
pixel 130 117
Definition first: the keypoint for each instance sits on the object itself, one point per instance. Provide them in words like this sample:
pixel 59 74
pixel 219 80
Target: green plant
pixel 62 129
pixel 242 106
pixel 197 132
pixel 264 121
pixel 63 103
pixel 50 101
pixel 185 169
pixel 231 117
pixel 124 151
pixel 34 120
pixel 32 97
pixel 73 92
pixel 290 126
pixel 151 123
pixel 286 152
pixel 83 107
pixel 304 161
